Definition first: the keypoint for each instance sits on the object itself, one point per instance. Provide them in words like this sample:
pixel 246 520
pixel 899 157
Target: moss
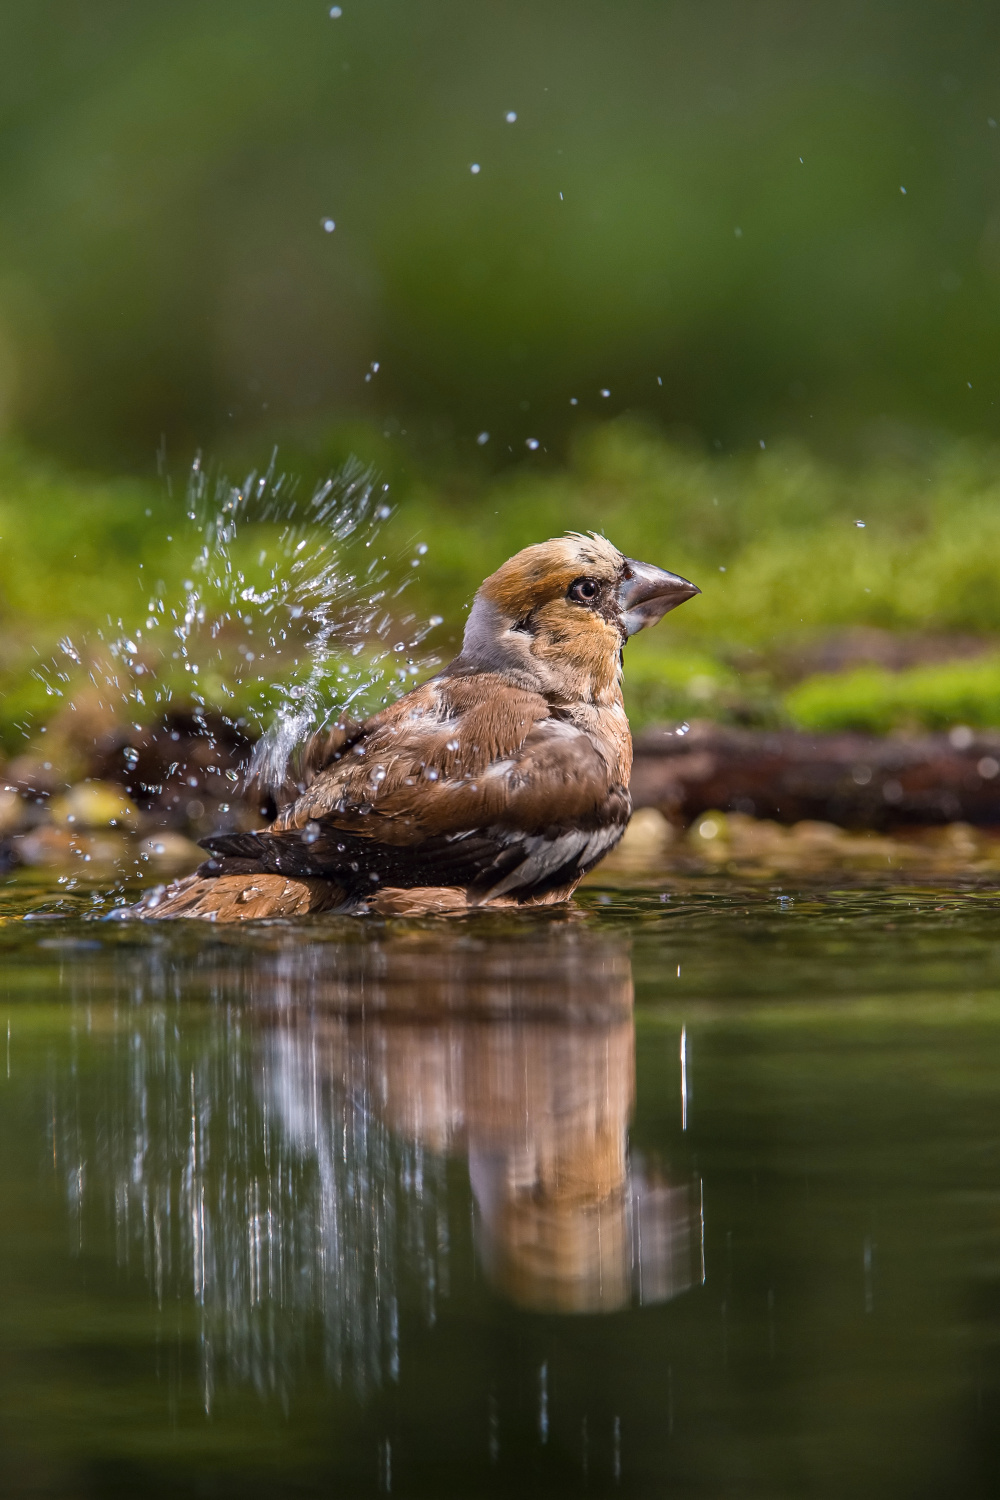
pixel 772 538
pixel 932 697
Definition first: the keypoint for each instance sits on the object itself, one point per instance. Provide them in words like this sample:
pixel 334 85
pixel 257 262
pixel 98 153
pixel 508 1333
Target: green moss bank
pixel 790 552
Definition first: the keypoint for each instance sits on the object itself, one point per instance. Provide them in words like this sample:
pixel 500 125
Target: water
pixel 694 1190
pixel 292 614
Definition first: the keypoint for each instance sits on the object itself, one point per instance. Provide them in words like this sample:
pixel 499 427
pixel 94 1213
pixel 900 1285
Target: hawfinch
pixel 501 781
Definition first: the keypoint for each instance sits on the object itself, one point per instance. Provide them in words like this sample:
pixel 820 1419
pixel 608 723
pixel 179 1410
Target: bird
pixel 499 782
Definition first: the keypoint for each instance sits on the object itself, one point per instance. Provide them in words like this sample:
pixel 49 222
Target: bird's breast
pixel 607 727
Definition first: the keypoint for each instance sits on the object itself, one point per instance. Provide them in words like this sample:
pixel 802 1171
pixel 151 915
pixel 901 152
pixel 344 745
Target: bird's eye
pixel 584 590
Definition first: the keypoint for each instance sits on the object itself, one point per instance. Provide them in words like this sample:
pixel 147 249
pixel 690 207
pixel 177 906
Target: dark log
pixel 854 780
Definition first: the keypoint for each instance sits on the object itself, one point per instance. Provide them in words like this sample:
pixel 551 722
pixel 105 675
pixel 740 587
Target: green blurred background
pixel 769 232
pixel 731 217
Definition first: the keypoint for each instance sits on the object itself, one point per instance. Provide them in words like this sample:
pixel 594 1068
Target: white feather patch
pixel 543 856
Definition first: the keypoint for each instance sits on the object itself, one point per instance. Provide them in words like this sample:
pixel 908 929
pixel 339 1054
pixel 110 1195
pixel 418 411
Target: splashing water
pixel 290 618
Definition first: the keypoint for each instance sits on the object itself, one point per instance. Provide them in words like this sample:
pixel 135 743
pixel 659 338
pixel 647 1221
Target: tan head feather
pixel 545 571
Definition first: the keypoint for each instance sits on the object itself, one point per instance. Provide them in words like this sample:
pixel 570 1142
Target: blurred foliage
pixel 703 246
pixel 877 701
pixel 781 543
pixel 788 551
pixel 699 208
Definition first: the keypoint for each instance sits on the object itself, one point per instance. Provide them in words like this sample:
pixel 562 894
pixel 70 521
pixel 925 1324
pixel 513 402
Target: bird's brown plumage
pixel 503 779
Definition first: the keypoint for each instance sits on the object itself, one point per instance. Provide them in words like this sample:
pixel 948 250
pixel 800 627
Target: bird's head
pixel 556 616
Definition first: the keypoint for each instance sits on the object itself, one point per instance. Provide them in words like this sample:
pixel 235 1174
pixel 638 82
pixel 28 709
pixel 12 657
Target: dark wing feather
pixel 490 861
pixel 363 864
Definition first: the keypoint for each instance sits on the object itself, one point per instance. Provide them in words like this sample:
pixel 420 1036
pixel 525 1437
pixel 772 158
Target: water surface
pixel 694 1190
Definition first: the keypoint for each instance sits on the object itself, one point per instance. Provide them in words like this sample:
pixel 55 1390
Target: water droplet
pixel 903 191
pixel 605 393
pixel 474 169
pixel 531 443
pixel 311 833
pixel 329 225
pixel 335 12
pixel 483 437
pixel 308 604
pixel 510 116
pixel 860 523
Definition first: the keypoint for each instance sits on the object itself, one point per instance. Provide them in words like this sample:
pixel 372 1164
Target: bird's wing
pixel 464 782
pixel 406 774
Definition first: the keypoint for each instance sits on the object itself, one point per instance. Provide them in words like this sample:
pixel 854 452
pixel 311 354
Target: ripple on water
pixel 667 1184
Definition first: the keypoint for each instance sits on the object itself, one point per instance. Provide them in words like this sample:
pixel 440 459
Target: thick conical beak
pixel 646 594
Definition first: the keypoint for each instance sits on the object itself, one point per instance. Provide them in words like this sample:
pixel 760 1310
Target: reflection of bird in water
pixel 490 1052
pixel 503 780
pixel 287 1171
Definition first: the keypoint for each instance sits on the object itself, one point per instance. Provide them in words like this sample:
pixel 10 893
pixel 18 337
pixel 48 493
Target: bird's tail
pixel 232 854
